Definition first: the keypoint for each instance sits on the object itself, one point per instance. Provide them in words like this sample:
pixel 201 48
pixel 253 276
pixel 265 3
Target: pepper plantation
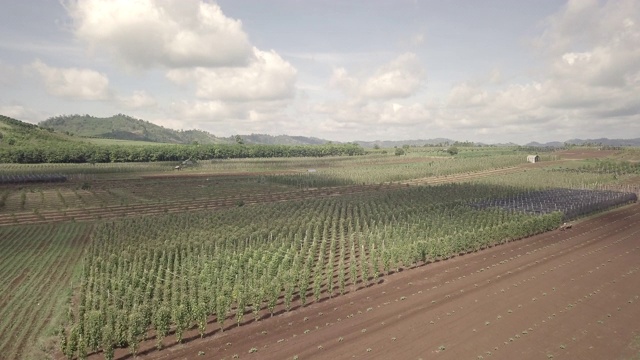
pixel 140 281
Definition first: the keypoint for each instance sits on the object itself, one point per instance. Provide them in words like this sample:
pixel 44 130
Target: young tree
pixel 137 329
pixel 303 286
pixel 289 287
pixel 108 342
pixel 274 293
pixel 317 286
pixel 256 301
pixel 161 322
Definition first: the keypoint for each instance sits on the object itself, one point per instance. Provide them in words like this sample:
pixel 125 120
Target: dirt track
pixel 571 294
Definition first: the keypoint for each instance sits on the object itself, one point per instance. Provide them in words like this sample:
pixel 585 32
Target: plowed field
pixel 571 294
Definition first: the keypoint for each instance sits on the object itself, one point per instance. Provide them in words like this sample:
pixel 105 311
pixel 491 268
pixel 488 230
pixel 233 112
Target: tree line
pixel 89 153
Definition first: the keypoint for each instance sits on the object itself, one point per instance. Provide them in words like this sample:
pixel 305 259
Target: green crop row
pixel 174 273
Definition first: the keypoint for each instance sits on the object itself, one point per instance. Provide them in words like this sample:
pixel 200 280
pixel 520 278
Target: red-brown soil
pixel 579 154
pixel 571 294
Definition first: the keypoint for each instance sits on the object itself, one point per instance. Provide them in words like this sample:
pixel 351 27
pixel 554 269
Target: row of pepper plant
pixel 210 270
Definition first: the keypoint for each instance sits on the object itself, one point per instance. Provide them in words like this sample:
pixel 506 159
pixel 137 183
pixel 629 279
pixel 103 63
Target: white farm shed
pixel 533 158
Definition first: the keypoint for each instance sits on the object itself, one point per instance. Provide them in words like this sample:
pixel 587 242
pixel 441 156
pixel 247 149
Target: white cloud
pixel 374 113
pixel 378 102
pixel 171 33
pixel 226 118
pixel 602 76
pixel 267 77
pixel 401 78
pixel 209 111
pixel 138 100
pixel 466 95
pixel 396 114
pixel 72 83
pixel 575 25
pixel 587 87
pixel 341 80
pixel 417 39
pixel 8 74
pixel 21 112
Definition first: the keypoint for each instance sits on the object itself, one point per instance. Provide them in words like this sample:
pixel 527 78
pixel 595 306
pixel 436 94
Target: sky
pixel 491 71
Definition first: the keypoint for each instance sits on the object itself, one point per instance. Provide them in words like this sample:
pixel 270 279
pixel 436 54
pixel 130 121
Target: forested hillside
pixel 25 143
pixel 18 133
pixel 124 127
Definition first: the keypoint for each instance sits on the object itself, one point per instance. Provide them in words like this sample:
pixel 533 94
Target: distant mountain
pixel 594 142
pixel 605 141
pixel 549 144
pixel 124 127
pixel 390 144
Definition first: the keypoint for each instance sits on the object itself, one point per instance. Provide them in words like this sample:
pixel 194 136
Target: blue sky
pixel 490 71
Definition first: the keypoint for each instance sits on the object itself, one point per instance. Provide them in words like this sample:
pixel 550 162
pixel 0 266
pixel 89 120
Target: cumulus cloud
pixel 21 112
pixel 596 72
pixel 267 77
pixel 198 46
pixel 72 83
pixel 171 33
pixel 138 100
pixel 588 84
pixel 400 78
pixel 8 74
pixel 341 80
pixel 374 113
pixel 381 101
pixel 466 95
pixel 417 39
pixel 211 111
pixel 575 24
pixel 226 118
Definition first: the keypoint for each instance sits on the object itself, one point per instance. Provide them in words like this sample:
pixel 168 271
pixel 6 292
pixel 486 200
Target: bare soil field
pixel 572 294
pixel 579 154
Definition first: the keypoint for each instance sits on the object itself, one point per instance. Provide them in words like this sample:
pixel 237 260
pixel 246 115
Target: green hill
pixel 123 127
pixel 24 143
pixel 18 133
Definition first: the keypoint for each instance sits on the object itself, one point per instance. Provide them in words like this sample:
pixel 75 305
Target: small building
pixel 533 158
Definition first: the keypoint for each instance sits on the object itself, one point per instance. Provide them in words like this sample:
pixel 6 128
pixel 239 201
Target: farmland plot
pixel 571 202
pixel 36 265
pixel 567 295
pixel 32 178
pixel 214 271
